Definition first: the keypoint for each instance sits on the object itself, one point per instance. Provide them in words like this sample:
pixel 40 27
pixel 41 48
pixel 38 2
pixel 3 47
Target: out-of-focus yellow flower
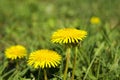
pixel 68 35
pixel 44 59
pixel 95 20
pixel 15 52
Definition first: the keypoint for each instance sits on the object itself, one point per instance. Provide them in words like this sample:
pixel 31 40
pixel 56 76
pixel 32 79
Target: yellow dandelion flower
pixel 95 20
pixel 68 35
pixel 44 59
pixel 15 52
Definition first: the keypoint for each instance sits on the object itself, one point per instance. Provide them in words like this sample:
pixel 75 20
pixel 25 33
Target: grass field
pixel 31 23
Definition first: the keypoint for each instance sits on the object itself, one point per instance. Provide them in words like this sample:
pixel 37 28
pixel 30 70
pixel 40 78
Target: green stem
pixel 17 65
pixel 45 75
pixel 67 61
pixel 39 74
pixel 74 63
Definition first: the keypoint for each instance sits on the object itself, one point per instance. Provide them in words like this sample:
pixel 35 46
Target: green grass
pixel 32 22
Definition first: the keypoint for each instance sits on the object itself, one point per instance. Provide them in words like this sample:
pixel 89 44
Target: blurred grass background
pixel 32 22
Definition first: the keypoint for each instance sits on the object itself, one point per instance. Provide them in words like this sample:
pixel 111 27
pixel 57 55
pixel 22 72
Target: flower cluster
pixel 45 58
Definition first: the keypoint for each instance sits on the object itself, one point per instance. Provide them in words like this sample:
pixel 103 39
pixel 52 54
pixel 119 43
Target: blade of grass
pixel 96 54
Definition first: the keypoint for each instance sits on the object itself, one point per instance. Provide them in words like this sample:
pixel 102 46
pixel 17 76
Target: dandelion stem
pixel 67 61
pixel 17 64
pixel 74 63
pixel 45 75
pixel 38 73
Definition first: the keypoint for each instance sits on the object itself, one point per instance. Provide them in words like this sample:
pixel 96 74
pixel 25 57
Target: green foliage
pixel 32 22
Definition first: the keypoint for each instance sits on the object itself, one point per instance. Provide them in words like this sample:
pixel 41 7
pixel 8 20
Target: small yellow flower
pixel 44 59
pixel 68 35
pixel 15 52
pixel 95 20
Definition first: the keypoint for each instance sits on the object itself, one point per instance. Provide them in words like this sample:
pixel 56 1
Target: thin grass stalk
pixel 98 70
pixel 89 68
pixel 96 54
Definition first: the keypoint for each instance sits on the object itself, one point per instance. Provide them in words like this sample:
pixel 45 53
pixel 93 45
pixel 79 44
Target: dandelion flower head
pixel 44 59
pixel 14 52
pixel 68 35
pixel 95 20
